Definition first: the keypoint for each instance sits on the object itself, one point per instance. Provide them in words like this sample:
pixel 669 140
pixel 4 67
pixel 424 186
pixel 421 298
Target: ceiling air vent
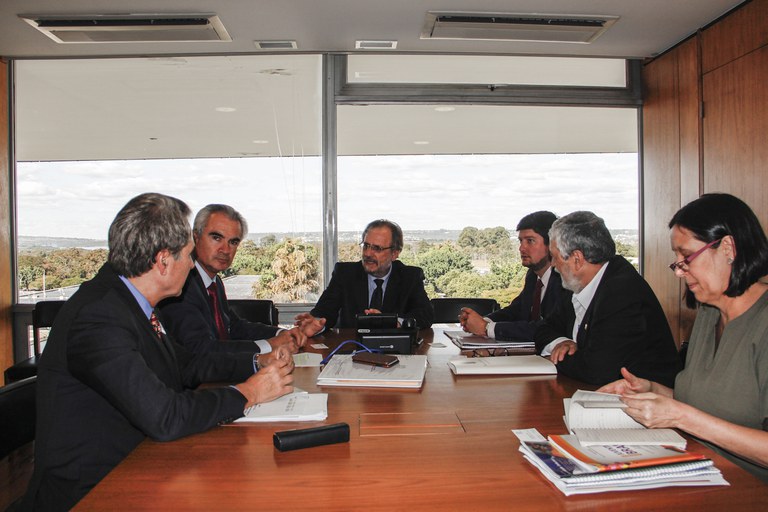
pixel 130 28
pixel 556 28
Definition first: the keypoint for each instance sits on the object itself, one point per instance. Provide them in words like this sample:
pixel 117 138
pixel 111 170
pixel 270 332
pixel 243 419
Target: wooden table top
pixel 474 467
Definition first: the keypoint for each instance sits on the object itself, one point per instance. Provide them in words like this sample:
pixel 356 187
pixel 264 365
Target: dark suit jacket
pixel 347 295
pixel 512 322
pixel 189 320
pixel 623 326
pixel 106 382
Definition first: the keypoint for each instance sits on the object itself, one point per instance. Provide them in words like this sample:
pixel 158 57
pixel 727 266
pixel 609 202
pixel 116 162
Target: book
pixel 599 419
pixel 342 371
pixel 296 406
pixel 503 365
pixel 572 476
pixel 600 458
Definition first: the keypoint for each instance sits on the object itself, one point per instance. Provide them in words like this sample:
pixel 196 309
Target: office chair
pixel 253 310
pixel 447 309
pixel 17 415
pixel 42 318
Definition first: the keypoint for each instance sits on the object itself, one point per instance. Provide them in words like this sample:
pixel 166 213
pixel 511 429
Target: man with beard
pixel 376 284
pixel 541 291
pixel 611 319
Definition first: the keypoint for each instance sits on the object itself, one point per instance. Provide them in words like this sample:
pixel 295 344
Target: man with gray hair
pixel 611 319
pixel 110 376
pixel 200 318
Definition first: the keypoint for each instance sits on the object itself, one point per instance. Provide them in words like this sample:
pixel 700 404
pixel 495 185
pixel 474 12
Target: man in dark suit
pixel 110 376
pixel 541 291
pixel 376 284
pixel 611 319
pixel 200 318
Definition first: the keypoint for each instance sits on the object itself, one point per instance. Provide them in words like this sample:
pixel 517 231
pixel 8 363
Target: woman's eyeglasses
pixel 682 265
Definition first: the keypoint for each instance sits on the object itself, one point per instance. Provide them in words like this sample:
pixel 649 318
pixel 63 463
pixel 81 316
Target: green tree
pixel 469 238
pixel 441 259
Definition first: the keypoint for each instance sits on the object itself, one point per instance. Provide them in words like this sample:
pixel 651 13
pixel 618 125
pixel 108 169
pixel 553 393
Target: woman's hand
pixel 654 411
pixel 629 385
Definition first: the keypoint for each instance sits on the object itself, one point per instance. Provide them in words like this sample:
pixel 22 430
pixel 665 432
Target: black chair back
pixel 447 309
pixel 42 318
pixel 17 415
pixel 255 310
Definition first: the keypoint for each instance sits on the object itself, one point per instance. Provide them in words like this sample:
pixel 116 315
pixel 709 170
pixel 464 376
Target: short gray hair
pixel 201 219
pixel 586 232
pixel 146 225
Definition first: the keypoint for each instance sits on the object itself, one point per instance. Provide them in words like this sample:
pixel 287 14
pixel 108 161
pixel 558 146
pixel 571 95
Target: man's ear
pixel 161 260
pixel 395 254
pixel 578 259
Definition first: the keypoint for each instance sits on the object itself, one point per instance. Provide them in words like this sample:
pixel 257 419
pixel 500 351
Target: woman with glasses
pixel 721 396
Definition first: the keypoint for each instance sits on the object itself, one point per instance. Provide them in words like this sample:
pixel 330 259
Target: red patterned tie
pixel 220 327
pixel 156 325
pixel 536 306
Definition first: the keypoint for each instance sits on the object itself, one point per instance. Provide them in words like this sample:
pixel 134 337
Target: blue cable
pixel 363 347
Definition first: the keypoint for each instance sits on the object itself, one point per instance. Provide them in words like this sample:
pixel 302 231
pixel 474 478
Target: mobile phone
pixel 375 359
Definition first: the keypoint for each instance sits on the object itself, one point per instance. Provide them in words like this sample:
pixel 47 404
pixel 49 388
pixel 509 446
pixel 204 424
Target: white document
pixel 503 365
pixel 342 371
pixel 297 406
pixel 303 359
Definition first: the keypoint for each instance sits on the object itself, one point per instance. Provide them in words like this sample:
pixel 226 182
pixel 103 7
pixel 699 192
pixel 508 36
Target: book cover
pixel 616 457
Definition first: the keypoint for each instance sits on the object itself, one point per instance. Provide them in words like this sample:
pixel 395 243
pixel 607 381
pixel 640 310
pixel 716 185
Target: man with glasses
pixel 378 283
pixel 611 319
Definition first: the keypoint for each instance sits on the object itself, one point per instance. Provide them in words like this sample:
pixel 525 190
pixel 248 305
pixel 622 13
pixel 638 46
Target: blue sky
pixel 80 199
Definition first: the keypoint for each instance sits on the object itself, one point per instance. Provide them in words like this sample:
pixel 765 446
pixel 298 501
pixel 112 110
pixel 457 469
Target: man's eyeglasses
pixel 374 248
pixel 682 265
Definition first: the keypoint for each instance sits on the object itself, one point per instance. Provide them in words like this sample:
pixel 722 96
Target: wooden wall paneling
pixel 690 101
pixel 661 179
pixel 6 289
pixel 736 130
pixel 741 32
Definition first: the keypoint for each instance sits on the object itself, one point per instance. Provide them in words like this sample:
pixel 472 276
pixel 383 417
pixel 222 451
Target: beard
pixel 571 283
pixel 538 265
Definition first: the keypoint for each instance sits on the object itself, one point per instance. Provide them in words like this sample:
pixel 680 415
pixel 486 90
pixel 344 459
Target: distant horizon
pixel 344 236
pixel 80 199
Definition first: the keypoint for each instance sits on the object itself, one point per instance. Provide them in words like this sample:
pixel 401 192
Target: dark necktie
pixel 214 296
pixel 156 325
pixel 536 306
pixel 378 295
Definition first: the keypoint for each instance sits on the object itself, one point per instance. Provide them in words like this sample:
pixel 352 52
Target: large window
pixel 458 196
pixel 91 134
pixel 456 168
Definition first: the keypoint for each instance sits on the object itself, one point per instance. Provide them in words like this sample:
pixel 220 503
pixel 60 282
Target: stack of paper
pixel 467 341
pixel 342 371
pixel 582 470
pixel 504 365
pixel 296 406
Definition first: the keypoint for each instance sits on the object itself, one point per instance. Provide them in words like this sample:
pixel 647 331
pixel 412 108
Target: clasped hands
pixel 273 380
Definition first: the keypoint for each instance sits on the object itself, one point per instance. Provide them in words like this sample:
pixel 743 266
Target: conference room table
pixel 446 446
